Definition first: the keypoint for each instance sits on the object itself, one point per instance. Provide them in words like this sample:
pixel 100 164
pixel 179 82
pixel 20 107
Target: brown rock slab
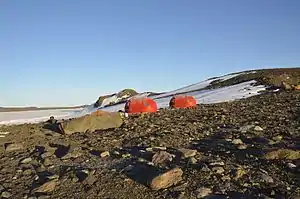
pixel 104 154
pixel 186 153
pixel 13 147
pixel 46 187
pixel 166 179
pixel 90 123
pixel 287 154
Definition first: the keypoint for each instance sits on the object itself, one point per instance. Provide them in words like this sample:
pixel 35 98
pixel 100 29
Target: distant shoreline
pixel 15 109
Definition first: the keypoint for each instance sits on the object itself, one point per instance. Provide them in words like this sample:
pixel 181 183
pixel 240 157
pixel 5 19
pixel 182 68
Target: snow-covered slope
pixel 206 96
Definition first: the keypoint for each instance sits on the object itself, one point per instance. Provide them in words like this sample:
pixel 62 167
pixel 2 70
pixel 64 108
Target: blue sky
pixel 70 52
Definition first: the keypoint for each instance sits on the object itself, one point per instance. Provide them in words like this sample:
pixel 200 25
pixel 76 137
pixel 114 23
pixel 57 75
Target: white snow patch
pixel 196 86
pixel 22 117
pixel 107 101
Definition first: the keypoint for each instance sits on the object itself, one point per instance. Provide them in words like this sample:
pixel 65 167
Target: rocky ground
pixel 248 148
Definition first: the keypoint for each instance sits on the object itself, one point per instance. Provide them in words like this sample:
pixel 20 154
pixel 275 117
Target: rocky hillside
pixel 120 97
pixel 287 78
pixel 271 78
pixel 248 148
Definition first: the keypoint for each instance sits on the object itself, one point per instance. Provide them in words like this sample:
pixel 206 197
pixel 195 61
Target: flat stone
pixel 291 165
pixel 104 154
pixel 238 173
pixel 193 160
pixel 52 177
pixel 75 153
pixel 91 179
pixel 157 148
pixel 127 155
pixel 46 187
pixel 217 163
pixel 47 154
pixel 64 143
pixel 166 179
pixel 277 138
pixel 258 128
pixel 246 128
pixel 161 157
pixel 267 178
pixel 26 160
pixel 186 153
pixel 48 162
pixel 6 194
pixel 242 147
pixel 286 154
pixel 203 192
pixel 13 147
pixel 218 170
pixel 237 142
pixel 27 172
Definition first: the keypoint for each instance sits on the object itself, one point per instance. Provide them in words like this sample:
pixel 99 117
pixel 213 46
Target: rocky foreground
pixel 243 149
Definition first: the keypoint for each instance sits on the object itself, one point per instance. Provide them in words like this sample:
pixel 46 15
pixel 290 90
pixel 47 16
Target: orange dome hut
pixel 140 105
pixel 183 102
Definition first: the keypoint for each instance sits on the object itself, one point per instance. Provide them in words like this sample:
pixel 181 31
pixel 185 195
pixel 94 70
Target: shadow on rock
pixel 61 150
pixel 217 145
pixel 55 127
pixel 141 173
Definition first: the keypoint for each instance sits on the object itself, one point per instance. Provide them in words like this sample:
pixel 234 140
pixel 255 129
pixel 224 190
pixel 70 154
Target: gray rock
pixel 258 128
pixel 9 147
pixel 193 160
pixel 286 86
pixel 104 154
pixel 246 128
pixel 46 187
pixel 91 179
pixel 52 177
pixel 218 170
pixel 48 162
pixel 6 194
pixel 277 138
pixel 27 172
pixel 221 163
pixel 63 143
pixel 44 197
pixel 266 178
pixel 291 165
pixel 75 153
pixel 161 157
pixel 237 142
pixel 242 147
pixel 26 160
pixel 203 192
pixel 186 153
pixel 205 169
pixel 47 154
